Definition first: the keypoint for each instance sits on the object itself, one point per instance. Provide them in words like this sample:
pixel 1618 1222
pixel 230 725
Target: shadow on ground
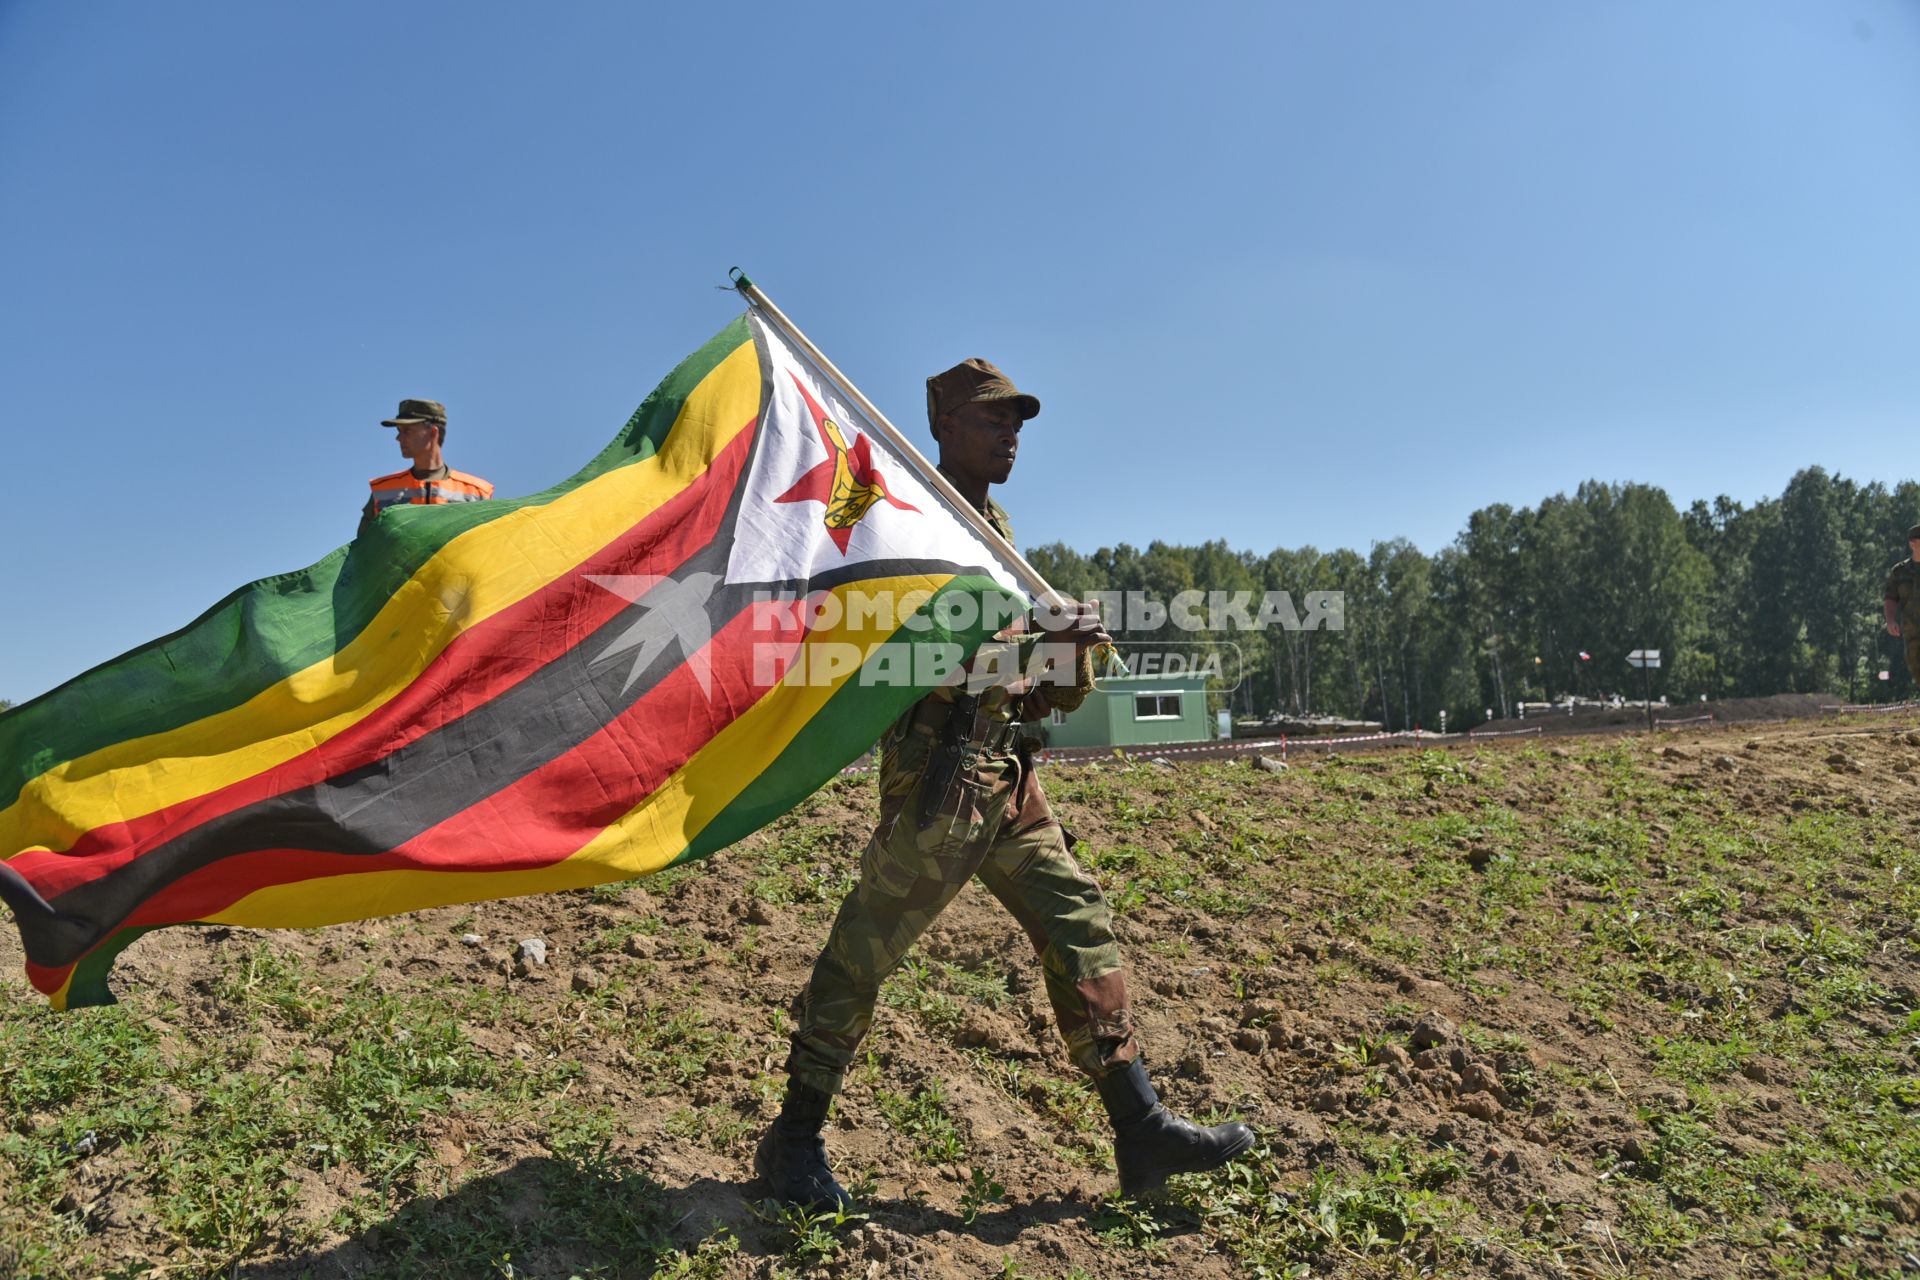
pixel 548 1217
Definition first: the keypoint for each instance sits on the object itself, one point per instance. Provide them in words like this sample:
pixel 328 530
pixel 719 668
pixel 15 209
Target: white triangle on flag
pixel 826 490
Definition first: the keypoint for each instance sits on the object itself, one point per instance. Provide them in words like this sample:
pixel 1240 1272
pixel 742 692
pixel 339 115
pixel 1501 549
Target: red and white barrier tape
pixel 1501 733
pixel 1215 747
pixel 1148 751
pixel 1870 706
pixel 1357 737
pixel 1101 753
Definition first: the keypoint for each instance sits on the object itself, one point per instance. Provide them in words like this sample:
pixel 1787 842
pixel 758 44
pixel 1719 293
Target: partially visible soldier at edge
pixel 959 799
pixel 1901 601
pixel 420 429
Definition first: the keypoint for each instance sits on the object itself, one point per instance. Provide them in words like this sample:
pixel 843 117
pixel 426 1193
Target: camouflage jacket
pixel 1903 588
pixel 1015 644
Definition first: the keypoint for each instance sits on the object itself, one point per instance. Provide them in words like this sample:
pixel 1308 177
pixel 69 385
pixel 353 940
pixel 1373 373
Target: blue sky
pixel 1283 273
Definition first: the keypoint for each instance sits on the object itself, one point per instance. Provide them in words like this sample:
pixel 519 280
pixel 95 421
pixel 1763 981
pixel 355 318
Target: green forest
pixel 1782 596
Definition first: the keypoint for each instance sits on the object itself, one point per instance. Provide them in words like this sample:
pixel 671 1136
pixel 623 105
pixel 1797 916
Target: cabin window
pixel 1156 706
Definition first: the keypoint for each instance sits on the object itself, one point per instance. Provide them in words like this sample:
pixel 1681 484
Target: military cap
pixel 1913 534
pixel 973 382
pixel 417 411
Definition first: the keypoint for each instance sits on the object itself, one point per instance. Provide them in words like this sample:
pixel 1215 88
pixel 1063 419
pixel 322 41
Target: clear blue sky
pixel 1283 273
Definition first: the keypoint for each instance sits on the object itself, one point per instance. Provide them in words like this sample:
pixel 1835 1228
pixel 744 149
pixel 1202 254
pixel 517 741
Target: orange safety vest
pixel 403 488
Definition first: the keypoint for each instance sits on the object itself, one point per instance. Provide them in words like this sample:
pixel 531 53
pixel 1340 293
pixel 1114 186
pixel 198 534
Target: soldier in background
pixel 1901 602
pixel 420 429
pixel 959 799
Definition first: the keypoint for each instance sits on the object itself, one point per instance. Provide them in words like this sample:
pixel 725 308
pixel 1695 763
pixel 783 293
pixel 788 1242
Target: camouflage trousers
pixel 995 825
pixel 1913 655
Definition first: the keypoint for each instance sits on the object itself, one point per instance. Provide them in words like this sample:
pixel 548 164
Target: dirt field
pixel 1603 1006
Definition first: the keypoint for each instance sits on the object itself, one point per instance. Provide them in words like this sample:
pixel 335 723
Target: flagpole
pixel 1043 592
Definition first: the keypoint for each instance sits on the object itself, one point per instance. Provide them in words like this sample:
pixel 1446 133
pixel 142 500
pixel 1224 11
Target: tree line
pixel 1782 596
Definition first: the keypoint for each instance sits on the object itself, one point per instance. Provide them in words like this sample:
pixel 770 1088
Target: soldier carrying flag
pixel 960 799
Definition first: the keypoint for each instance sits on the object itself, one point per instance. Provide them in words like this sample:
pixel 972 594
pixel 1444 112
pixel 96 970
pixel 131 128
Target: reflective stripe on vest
pixel 403 488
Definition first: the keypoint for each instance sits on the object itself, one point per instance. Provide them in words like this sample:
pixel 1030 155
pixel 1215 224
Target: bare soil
pixel 1271 1015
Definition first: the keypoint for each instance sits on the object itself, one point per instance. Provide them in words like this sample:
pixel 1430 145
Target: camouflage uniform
pixel 994 823
pixel 1902 595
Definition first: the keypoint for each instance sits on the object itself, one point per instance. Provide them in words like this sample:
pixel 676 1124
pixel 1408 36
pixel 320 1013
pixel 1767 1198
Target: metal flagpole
pixel 1043 592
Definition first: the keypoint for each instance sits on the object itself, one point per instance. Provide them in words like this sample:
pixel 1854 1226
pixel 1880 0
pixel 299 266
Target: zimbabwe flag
pixel 633 669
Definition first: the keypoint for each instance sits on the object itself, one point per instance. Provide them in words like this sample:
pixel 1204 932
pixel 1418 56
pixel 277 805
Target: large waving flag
pixel 632 669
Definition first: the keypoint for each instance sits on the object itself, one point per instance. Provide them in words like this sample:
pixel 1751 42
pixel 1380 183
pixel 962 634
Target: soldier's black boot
pixel 792 1157
pixel 1150 1144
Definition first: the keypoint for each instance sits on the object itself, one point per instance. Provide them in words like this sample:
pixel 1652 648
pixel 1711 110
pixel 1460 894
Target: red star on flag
pixel 847 483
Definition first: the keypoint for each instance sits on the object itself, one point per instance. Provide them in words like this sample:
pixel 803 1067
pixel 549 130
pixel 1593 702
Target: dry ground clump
pixel 1603 1007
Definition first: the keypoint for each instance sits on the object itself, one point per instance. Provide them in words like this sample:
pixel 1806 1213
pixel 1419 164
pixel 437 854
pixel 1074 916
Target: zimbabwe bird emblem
pixel 848 483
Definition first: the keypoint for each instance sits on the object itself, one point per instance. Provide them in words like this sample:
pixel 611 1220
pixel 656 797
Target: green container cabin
pixel 1136 711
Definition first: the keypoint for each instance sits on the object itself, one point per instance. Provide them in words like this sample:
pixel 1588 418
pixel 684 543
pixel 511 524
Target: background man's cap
pixel 417 411
pixel 1913 533
pixel 971 382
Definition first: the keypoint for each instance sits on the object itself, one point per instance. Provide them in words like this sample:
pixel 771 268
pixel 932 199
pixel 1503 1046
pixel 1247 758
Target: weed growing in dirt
pixel 939 994
pixel 716 1127
pixel 1131 1224
pixel 922 1116
pixel 808 1237
pixel 1278 1225
pixel 673 1046
pixel 709 1260
pixel 981 1190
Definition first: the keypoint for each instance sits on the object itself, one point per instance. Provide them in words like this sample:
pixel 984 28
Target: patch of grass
pixel 73 1085
pixel 1130 1224
pixel 786 883
pixel 665 884
pixel 1697 1060
pixel 922 1116
pixel 715 1127
pixel 807 1238
pixel 218 1186
pixel 939 994
pixel 673 1047
pixel 50 1060
pixel 711 1259
pixel 1260 1212
pixel 214 1128
pixel 614 937
pixel 1393 1160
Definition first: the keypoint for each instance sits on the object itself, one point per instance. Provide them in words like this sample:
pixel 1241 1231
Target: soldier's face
pixel 415 438
pixel 981 440
pixel 1913 548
